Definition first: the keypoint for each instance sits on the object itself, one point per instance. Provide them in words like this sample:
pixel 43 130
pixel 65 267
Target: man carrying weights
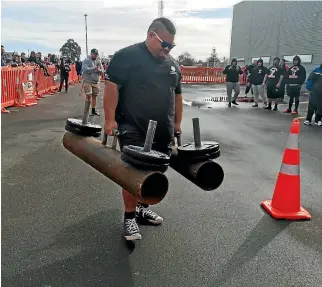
pixel 142 83
pixel 91 71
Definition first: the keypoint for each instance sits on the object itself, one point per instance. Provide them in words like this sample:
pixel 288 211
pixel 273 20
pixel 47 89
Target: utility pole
pixel 160 10
pixel 86 34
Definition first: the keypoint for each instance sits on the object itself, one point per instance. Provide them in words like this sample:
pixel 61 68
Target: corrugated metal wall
pixel 277 28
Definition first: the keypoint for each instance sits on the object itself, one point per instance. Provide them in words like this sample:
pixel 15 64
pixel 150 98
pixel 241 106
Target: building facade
pixel 266 29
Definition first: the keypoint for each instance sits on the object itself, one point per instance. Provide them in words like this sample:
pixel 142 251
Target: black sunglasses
pixel 165 44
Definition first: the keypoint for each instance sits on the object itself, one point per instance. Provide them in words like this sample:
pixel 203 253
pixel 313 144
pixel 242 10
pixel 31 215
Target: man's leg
pixel 132 208
pixel 88 92
pixel 297 95
pixel 261 90
pixel 66 82
pixel 96 92
pixel 229 87
pixel 61 83
pixel 269 98
pixel 310 112
pixel 291 100
pixel 256 94
pixel 236 88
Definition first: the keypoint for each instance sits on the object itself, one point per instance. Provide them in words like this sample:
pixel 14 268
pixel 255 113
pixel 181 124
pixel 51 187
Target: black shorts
pixel 131 136
pixel 273 93
pixel 293 92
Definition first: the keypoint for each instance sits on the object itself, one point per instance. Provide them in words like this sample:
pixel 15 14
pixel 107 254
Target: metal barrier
pixel 206 75
pixel 24 86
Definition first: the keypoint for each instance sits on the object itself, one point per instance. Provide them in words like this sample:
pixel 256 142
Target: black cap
pixel 94 51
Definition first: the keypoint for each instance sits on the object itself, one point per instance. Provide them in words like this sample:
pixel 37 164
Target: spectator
pixel 4 57
pixel 64 74
pixel 285 68
pixel 36 59
pixel 79 68
pixel 295 78
pixel 314 86
pixel 248 72
pixel 232 72
pixel 16 60
pixel 23 58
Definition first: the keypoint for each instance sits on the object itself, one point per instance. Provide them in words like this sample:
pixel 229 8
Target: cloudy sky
pixel 112 24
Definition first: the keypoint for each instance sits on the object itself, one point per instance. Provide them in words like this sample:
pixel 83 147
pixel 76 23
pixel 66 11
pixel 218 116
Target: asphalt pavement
pixel 62 220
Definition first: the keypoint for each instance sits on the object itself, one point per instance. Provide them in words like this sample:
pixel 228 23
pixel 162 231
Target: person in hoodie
pixel 295 78
pixel 285 67
pixel 248 72
pixel 256 79
pixel 91 71
pixel 232 72
pixel 78 68
pixel 314 86
pixel 64 74
pixel 274 79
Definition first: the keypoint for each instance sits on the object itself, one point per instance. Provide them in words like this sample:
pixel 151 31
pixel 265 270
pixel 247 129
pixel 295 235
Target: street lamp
pixel 86 34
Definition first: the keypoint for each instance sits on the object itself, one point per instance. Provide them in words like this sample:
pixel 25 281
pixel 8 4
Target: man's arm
pixel 178 106
pixel 87 66
pixel 281 78
pixel 116 76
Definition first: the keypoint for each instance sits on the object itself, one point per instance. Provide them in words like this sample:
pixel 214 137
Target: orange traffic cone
pixel 285 203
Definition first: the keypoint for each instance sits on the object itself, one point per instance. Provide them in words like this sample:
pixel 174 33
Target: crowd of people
pixel 271 84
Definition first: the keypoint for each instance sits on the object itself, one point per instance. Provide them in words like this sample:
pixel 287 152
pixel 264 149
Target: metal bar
pixel 196 132
pixel 86 112
pixel 150 136
pixel 149 187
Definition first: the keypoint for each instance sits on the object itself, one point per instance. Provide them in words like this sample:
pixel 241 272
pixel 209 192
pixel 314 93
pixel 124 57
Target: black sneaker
pixel 95 113
pixel 235 103
pixel 146 214
pixel 131 229
pixel 229 105
pixel 275 108
pixel 255 105
pixel 268 108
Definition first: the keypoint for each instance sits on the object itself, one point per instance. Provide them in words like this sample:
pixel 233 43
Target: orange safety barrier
pixel 206 75
pixel 24 86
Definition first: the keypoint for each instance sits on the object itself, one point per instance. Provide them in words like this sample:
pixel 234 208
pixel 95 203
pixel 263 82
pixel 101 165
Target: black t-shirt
pixel 273 76
pixel 147 90
pixel 258 74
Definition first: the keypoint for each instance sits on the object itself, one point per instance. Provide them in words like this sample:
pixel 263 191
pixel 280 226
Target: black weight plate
pixel 207 147
pixel 144 165
pixel 199 158
pixel 81 132
pixel 153 156
pixel 88 127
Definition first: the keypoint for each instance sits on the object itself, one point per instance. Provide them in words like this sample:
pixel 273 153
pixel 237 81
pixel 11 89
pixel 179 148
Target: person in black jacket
pixel 248 72
pixel 256 79
pixel 295 78
pixel 79 68
pixel 232 73
pixel 274 79
pixel 64 74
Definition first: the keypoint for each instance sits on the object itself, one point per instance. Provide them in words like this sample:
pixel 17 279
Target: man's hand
pixel 109 127
pixel 177 129
pixel 278 85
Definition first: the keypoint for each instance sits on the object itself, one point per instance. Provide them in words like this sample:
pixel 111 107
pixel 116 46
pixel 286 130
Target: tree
pixel 213 59
pixel 71 50
pixel 186 59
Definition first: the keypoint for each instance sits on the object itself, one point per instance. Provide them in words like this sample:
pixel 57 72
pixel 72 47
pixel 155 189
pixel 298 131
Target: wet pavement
pixel 62 220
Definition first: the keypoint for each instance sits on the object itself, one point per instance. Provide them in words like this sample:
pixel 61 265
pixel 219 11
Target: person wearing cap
pixel 91 71
pixel 143 83
pixel 232 72
pixel 274 79
pixel 256 79
pixel 314 86
pixel 4 57
pixel 295 78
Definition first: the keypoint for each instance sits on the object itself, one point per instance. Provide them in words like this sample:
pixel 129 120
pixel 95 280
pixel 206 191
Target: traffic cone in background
pixel 285 203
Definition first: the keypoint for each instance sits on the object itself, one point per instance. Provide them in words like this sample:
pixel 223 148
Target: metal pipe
pixel 86 112
pixel 149 187
pixel 149 136
pixel 86 34
pixel 196 132
pixel 208 175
